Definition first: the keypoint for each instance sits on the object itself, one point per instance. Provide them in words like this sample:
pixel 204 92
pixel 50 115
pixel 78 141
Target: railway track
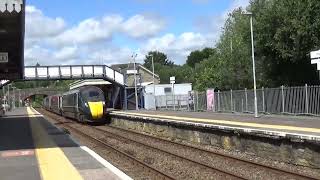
pixel 269 168
pixel 152 171
pixel 110 131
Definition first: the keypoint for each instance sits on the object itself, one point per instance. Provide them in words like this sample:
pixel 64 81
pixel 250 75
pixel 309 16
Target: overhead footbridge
pixel 70 72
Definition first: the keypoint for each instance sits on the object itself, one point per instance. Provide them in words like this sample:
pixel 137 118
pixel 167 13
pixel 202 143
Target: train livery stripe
pixel 226 122
pixel 96 109
pixel 53 164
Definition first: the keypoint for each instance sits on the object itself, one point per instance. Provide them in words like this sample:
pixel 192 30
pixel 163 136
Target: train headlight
pixel 86 104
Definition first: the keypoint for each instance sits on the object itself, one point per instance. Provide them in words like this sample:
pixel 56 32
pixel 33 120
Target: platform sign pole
pixel 263 100
pixel 19 97
pixel 246 96
pixel 218 100
pixel 9 104
pixel 231 99
pixel 282 95
pixel 172 81
pixel 307 101
pixel 14 97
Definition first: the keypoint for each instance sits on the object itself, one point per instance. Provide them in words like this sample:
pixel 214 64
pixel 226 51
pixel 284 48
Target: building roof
pixel 129 66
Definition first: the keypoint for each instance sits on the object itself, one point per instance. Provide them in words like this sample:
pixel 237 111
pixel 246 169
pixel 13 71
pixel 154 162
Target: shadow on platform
pixel 16 134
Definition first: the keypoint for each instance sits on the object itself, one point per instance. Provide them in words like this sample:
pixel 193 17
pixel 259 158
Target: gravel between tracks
pixel 175 166
pixel 133 170
pixel 172 165
pixel 247 170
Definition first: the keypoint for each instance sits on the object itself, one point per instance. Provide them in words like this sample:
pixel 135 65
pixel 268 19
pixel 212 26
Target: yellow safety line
pixel 53 163
pixel 256 125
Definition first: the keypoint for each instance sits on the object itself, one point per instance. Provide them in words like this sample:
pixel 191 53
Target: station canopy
pixel 12 23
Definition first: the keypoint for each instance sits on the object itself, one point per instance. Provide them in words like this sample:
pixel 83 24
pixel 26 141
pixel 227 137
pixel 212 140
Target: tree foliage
pixel 199 55
pixel 284 34
pixel 158 58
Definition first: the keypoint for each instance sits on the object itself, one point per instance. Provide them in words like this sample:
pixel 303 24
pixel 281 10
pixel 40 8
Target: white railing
pixel 73 72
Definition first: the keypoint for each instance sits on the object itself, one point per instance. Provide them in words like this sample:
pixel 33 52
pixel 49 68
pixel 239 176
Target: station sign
pixel 172 80
pixel 315 54
pixel 132 71
pixel 4 57
pixel 315 58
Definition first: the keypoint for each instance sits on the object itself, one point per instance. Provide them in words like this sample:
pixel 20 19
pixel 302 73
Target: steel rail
pixel 170 153
pixel 217 153
pixel 128 156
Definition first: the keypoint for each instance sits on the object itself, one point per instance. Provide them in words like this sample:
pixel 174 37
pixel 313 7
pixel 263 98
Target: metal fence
pixel 282 100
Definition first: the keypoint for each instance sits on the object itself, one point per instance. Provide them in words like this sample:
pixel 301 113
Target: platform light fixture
pixel 253 64
pixel 135 79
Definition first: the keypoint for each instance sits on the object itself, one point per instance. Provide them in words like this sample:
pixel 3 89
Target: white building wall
pixel 179 89
pixel 166 99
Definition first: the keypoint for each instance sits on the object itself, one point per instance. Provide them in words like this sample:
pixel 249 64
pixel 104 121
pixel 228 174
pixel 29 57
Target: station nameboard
pixel 3 57
pixel 315 54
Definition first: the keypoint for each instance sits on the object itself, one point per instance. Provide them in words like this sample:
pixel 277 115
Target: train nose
pixel 96 109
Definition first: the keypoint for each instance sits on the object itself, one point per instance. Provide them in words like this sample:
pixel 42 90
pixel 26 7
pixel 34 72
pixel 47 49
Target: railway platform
pixel 289 139
pixel 299 127
pixel 33 148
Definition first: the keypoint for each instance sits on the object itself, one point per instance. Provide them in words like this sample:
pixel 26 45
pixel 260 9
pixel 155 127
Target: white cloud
pixel 37 54
pixel 178 47
pixel 66 53
pixel 94 30
pixel 89 31
pixel 50 42
pixel 39 25
pixel 141 26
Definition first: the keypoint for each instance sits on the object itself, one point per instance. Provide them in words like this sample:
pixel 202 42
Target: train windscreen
pixel 92 95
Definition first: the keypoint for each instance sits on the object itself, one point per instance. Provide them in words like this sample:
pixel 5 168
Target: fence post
pixel 263 103
pixel 246 95
pixel 282 96
pixel 231 100
pixel 242 105
pixel 213 102
pixel 307 99
pixel 218 100
pixel 197 100
pixel 166 102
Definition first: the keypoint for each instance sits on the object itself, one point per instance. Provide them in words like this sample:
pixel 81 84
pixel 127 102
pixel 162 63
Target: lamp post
pixel 135 80
pixel 253 65
pixel 14 97
pixel 19 97
pixel 9 104
pixel 154 86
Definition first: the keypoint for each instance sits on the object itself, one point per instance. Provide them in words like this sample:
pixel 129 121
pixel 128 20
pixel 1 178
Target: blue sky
pixel 102 31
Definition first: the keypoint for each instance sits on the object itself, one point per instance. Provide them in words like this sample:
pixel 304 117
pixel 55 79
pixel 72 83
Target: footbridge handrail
pixel 64 72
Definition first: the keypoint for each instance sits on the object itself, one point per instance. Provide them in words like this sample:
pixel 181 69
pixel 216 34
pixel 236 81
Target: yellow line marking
pixel 256 125
pixel 53 163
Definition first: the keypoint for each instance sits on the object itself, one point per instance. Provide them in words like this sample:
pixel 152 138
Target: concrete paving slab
pixel 20 152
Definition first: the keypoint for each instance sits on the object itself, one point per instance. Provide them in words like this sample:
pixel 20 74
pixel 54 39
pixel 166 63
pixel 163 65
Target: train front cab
pixel 92 103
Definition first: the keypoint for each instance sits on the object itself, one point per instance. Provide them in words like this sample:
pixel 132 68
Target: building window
pixel 167 90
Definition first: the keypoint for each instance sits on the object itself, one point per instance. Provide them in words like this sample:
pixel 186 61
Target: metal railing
pixel 282 100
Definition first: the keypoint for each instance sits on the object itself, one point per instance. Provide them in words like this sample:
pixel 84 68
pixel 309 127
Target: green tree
pixel 286 32
pixel 158 58
pixel 199 55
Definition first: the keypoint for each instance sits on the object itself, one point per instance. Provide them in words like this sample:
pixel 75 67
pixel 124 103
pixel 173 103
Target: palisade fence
pixel 282 100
